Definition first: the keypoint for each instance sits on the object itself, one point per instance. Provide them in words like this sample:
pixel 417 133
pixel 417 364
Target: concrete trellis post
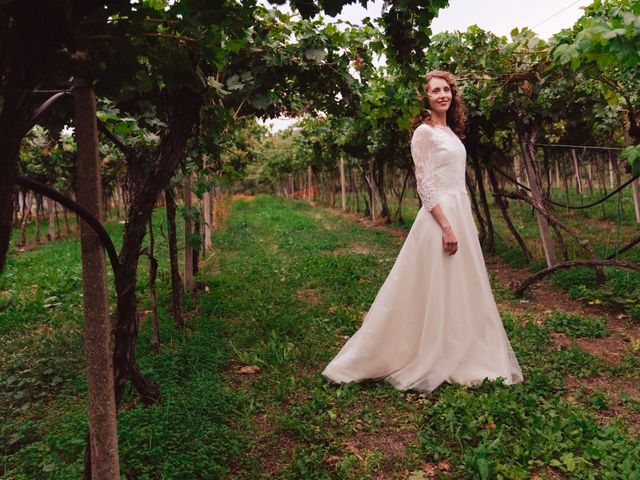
pixel 102 405
pixel 343 186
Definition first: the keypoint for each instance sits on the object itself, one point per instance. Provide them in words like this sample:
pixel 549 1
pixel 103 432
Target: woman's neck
pixel 438 118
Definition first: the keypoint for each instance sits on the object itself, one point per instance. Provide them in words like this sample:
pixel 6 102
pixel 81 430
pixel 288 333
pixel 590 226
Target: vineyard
pixel 174 276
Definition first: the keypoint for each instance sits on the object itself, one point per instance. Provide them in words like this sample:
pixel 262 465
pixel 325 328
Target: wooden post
pixel 354 188
pixel 558 182
pixel 116 201
pixel 616 171
pixel 516 168
pixel 576 166
pixel 51 210
pixel 188 230
pixel 217 210
pixel 309 184
pixel 590 177
pixel 635 192
pixel 102 405
pixel 36 213
pixel 372 184
pixel 20 204
pixel 612 181
pixel 343 186
pixel 206 212
pixel 23 218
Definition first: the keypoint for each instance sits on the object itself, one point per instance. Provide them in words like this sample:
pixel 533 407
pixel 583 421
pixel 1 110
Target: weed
pixel 576 325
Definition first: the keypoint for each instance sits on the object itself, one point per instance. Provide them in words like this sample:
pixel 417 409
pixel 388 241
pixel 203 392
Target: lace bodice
pixel 440 160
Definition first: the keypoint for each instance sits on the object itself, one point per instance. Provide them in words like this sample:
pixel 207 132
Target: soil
pixel 378 225
pixel 273 447
pixel 545 298
pixel 326 225
pixel 246 198
pixel 392 437
pixel 615 389
pixel 357 248
pixel 311 296
pixel 240 376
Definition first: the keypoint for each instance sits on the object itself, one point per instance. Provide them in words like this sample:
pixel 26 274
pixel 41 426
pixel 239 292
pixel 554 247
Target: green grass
pixel 578 325
pixel 285 285
pixel 43 385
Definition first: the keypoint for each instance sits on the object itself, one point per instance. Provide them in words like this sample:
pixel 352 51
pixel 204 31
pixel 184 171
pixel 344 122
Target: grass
pixel 43 385
pixel 286 284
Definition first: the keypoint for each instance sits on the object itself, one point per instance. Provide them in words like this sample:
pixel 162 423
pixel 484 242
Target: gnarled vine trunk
pixel 502 204
pixel 527 137
pixel 385 212
pixel 10 137
pixel 144 189
pixel 176 282
pixel 489 242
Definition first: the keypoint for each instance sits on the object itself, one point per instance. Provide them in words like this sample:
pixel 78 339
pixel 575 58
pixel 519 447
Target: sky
pixel 545 17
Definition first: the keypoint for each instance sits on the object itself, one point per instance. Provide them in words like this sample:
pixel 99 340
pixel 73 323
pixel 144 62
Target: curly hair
pixel 456 117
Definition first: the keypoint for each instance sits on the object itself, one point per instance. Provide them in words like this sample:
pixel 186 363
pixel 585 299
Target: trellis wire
pixel 574 207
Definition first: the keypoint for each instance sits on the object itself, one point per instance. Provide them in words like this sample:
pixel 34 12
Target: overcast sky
pixel 545 17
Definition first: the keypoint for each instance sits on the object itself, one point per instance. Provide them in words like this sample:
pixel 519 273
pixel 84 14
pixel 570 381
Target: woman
pixel 435 319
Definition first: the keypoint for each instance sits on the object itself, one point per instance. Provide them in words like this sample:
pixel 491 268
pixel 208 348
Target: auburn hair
pixel 455 116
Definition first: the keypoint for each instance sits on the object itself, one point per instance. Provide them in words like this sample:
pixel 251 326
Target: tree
pixel 604 45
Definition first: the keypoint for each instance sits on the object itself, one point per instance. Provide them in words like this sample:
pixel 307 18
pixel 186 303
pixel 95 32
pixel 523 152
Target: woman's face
pixel 439 93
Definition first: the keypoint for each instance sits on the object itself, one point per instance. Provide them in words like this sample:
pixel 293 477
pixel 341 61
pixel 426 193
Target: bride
pixel 434 319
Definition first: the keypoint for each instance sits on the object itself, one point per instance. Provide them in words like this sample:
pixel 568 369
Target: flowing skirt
pixel 434 319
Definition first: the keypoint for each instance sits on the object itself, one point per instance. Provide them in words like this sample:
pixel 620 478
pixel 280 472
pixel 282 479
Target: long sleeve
pixel 421 148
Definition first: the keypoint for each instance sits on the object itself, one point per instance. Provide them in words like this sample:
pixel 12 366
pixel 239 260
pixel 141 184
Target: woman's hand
pixel 449 240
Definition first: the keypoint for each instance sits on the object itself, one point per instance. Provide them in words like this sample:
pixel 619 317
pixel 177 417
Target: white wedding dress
pixel 435 319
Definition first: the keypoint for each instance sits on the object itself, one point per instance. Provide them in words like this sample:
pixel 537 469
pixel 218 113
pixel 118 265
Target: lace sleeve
pixel 421 147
